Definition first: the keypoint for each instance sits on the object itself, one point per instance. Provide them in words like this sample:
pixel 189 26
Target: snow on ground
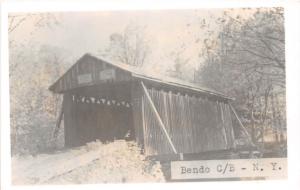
pixel 116 162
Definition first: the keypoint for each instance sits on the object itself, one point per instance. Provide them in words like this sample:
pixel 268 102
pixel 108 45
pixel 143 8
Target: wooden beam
pixel 240 122
pixel 158 118
pixel 58 122
pixel 183 86
pixel 223 124
pixel 143 115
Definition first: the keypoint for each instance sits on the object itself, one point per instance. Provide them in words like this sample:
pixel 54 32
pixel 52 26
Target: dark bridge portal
pixel 98 112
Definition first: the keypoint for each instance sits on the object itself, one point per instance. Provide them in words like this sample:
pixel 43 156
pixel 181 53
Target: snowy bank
pixel 116 162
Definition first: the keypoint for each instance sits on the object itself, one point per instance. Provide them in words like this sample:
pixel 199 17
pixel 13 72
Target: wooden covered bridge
pixel 107 101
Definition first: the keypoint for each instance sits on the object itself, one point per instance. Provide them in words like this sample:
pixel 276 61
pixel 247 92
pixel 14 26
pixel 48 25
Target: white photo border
pixel 292 28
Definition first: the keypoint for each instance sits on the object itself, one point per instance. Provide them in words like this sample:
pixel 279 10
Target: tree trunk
pixel 253 136
pixel 264 113
pixel 274 119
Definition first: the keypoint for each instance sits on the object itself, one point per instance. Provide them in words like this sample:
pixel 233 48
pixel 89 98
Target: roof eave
pixel 199 90
pixel 53 89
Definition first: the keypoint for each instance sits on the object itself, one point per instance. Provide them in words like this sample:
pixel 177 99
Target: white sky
pixel 88 32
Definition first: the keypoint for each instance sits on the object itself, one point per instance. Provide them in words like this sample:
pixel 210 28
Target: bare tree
pixel 33 108
pixel 249 64
pixel 130 47
pixel 28 95
pixel 17 21
pixel 180 61
pixel 40 20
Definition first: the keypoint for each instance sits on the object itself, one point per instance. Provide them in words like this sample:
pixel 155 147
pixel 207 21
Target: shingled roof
pixel 140 74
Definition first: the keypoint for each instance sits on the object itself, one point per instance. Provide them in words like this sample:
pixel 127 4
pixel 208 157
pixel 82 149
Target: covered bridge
pixel 107 101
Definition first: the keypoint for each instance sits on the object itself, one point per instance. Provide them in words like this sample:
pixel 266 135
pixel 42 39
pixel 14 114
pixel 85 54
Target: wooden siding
pixel 89 71
pixel 195 124
pixel 96 94
pixel 137 110
pixel 70 131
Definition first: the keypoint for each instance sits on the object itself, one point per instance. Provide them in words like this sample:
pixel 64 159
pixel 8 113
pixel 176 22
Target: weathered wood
pixel 143 116
pixel 69 127
pixel 237 117
pixel 191 120
pixel 194 124
pixel 158 118
pixel 136 101
pixel 241 124
pixel 180 86
pixel 58 122
pixel 229 126
pixel 209 155
pixel 88 71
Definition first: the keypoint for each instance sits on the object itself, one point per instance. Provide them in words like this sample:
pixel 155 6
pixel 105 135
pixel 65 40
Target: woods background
pixel 238 52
